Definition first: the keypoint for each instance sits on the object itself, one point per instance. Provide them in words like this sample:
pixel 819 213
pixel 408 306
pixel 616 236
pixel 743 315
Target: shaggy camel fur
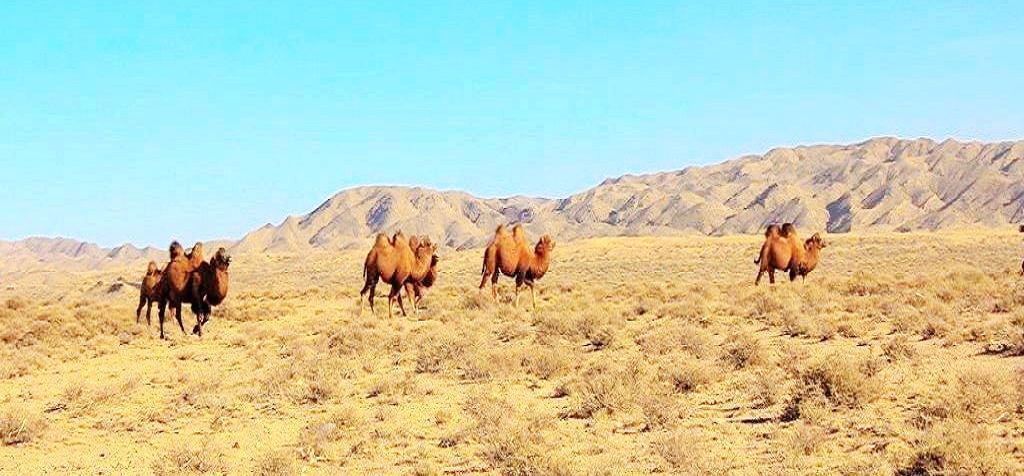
pixel 149 291
pixel 782 250
pixel 512 255
pixel 176 285
pixel 812 250
pixel 210 286
pixel 428 280
pixel 394 262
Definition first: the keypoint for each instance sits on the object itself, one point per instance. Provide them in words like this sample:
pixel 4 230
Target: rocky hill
pixel 883 184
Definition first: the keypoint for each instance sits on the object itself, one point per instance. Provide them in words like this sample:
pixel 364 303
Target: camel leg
pixel 367 288
pixel 760 272
pixel 533 295
pixel 149 310
pixel 410 292
pixel 401 306
pixel 792 274
pixel 138 311
pixel 771 275
pixel 391 300
pixel 177 315
pixel 519 284
pixel 160 309
pixel 494 286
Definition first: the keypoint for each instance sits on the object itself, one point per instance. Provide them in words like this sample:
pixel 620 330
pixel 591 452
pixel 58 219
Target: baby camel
pixel 512 255
pixel 149 291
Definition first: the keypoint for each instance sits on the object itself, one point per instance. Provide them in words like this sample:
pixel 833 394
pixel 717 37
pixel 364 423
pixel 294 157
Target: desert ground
pixel 901 354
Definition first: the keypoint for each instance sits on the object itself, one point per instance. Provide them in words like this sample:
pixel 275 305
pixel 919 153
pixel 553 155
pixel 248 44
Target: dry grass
pixel 888 359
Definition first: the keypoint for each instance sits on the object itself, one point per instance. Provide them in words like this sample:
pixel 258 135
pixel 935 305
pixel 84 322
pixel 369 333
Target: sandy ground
pixel 645 355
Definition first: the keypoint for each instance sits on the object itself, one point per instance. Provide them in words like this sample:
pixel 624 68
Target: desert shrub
pixel 441 352
pixel 19 426
pixel 197 457
pixel 275 464
pixel 660 410
pixel 804 439
pixel 664 338
pixel 544 362
pixel 765 388
pixel 687 453
pixel 687 375
pixel 971 393
pixel 898 349
pixel 393 384
pixel 513 443
pixel 606 386
pixel 742 350
pixel 957 447
pixel 316 440
pixel 836 380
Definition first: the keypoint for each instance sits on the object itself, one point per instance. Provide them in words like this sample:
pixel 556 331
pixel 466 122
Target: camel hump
pixel 772 230
pixel 500 230
pixel 151 268
pixel 788 229
pixel 382 240
pixel 414 241
pixel 397 238
pixel 518 231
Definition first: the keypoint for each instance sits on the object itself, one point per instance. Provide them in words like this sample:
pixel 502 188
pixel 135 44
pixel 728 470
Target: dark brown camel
pixel 177 286
pixel 394 262
pixel 149 291
pixel 512 255
pixel 210 286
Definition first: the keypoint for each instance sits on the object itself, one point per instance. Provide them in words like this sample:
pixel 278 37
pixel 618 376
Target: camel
pixel 177 285
pixel 782 250
pixel 396 263
pixel 428 279
pixel 812 250
pixel 210 286
pixel 512 255
pixel 149 291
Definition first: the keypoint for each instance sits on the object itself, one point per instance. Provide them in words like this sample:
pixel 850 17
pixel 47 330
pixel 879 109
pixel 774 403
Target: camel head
pixel 815 242
pixel 544 245
pixel 221 260
pixel 176 250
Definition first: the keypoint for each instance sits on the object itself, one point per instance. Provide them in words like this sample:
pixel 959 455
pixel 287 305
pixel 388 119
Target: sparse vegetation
pixel 635 366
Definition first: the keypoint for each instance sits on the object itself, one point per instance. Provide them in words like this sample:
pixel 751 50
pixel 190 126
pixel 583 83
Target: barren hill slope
pixel 880 184
pixel 883 184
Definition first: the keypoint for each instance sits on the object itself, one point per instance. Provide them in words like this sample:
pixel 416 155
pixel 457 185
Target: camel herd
pixel 411 264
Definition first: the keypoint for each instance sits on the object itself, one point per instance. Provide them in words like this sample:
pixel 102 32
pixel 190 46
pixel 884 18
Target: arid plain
pixel 900 354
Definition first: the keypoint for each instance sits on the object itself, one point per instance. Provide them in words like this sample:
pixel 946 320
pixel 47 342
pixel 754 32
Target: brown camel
pixel 512 255
pixel 210 286
pixel 176 285
pixel 394 262
pixel 149 291
pixel 782 250
pixel 427 280
pixel 812 251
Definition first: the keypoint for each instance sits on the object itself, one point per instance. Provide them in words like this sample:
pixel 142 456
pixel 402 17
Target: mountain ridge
pixel 879 184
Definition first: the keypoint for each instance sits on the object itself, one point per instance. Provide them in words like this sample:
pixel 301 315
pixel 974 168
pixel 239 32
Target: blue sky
pixel 146 121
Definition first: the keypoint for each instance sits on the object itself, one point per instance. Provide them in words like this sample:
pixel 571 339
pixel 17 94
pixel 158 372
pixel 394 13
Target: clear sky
pixel 143 121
